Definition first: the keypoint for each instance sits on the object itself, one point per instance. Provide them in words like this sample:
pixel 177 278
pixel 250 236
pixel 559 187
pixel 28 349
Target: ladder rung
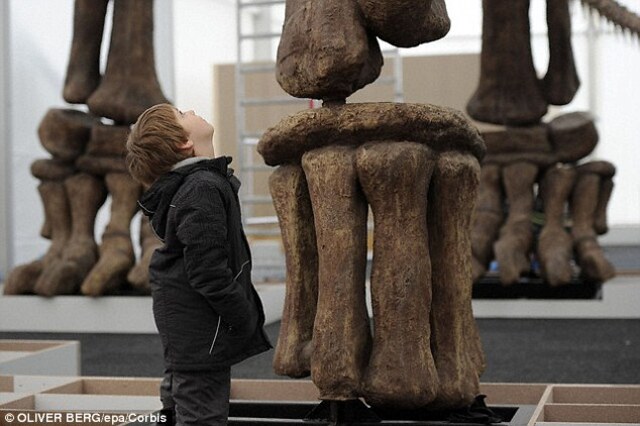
pixel 257 169
pixel 272 101
pixel 260 3
pixel 259 36
pixel 247 69
pixel 384 80
pixel 262 220
pixel 255 199
pixel 261 232
pixel 250 141
pixel 251 135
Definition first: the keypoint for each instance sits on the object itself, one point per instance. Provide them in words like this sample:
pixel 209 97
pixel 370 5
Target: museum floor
pixel 517 350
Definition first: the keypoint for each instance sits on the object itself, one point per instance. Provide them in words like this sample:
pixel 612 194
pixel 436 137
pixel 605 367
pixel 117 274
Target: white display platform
pixel 47 357
pixel 620 299
pixel 132 315
pixel 109 314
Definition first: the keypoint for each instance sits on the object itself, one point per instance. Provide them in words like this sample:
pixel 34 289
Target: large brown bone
pixel 509 90
pixel 51 170
pixel 130 84
pixel 516 144
pixel 573 136
pixel 83 70
pixel 455 339
pixel 584 203
pixel 395 179
pixel 606 171
pixel 116 250
pixel 406 23
pixel 292 203
pixel 105 150
pixel 108 140
pixel 341 336
pixel 600 224
pixel 65 132
pixel 23 278
pixel 488 218
pixel 516 236
pixel 555 245
pixel 86 195
pixel 100 166
pixel 138 276
pixel 441 128
pixel 325 51
pixel 561 82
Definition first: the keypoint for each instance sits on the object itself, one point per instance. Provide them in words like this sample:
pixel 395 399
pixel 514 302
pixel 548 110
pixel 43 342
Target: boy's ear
pixel 186 145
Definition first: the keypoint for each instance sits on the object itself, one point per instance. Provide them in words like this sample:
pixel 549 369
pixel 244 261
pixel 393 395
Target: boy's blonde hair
pixel 153 144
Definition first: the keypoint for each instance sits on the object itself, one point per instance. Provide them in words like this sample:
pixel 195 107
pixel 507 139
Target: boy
pixel 207 312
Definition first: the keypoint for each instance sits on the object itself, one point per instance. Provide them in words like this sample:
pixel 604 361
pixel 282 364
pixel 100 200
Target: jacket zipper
pixel 241 269
pixel 216 335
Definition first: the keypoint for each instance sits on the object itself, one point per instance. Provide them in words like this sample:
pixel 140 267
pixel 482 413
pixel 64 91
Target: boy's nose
pixel 191 112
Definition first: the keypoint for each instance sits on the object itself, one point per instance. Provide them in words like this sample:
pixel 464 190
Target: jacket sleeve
pixel 202 229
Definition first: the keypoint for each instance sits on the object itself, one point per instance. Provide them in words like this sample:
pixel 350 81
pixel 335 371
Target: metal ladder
pixel 265 40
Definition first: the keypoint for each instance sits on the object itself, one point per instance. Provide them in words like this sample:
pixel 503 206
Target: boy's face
pixel 199 130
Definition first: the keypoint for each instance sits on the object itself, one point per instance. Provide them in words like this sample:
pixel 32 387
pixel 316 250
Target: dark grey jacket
pixel 204 304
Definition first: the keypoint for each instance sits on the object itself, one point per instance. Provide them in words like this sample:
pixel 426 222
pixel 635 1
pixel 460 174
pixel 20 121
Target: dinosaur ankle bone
pixel 138 276
pixel 395 179
pixel 83 70
pixel 116 250
pixel 108 140
pixel 86 194
pixel 606 188
pixel 584 205
pixel 508 91
pixel 555 245
pixel 487 220
pixel 292 203
pixel 340 348
pixel 65 132
pixel 516 236
pixel 56 210
pixel 325 51
pixel 561 82
pixel 406 23
pixel 440 128
pixel 573 136
pixel 455 341
pixel 105 151
pixel 51 170
pixel 130 84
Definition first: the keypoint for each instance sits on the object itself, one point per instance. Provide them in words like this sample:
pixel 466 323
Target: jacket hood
pixel 156 201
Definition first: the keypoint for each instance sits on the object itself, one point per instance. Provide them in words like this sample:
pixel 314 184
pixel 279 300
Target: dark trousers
pixel 198 397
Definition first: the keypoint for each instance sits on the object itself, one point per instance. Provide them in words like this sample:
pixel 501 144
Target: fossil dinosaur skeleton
pixel 619 15
pixel 528 153
pixel 88 158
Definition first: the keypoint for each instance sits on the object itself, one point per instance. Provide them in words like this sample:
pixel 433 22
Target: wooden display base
pixel 40 357
pixel 288 402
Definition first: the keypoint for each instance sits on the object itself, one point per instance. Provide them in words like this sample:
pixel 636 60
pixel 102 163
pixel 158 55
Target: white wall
pixel 5 235
pixel 204 34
